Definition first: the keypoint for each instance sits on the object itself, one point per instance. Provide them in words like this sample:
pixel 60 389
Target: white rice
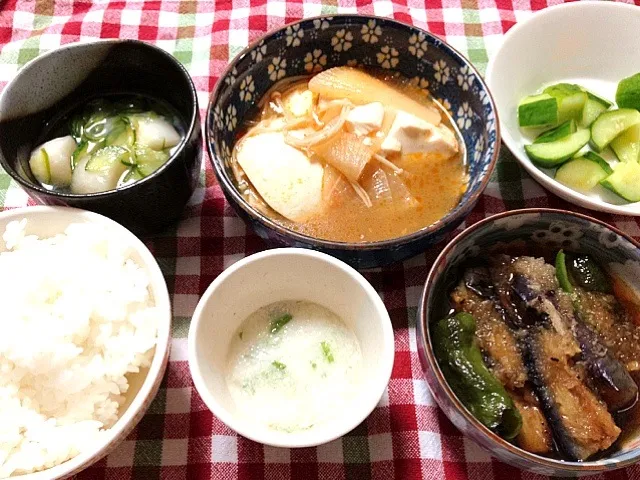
pixel 77 317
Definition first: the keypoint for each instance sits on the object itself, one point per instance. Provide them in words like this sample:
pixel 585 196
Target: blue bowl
pixel 328 41
pixel 538 232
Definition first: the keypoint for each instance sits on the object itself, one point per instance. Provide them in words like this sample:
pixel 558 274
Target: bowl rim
pixel 423 337
pixel 228 188
pixel 379 384
pixel 191 124
pixel 149 388
pixel 549 183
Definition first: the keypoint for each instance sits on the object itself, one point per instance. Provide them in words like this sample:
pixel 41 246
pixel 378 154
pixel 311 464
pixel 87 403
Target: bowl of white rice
pixel 84 339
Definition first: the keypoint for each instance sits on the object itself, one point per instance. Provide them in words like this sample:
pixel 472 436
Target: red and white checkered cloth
pixel 407 437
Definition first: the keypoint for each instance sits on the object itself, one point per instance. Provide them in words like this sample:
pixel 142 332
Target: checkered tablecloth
pixel 406 437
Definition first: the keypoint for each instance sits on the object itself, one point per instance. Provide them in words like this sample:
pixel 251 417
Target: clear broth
pixel 59 126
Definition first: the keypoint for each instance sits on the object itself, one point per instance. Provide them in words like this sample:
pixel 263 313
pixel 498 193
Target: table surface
pixel 407 436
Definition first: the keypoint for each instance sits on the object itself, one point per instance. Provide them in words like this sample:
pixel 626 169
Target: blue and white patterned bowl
pixel 536 231
pixel 318 43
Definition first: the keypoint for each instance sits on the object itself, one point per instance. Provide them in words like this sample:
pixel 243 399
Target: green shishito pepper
pixel 461 363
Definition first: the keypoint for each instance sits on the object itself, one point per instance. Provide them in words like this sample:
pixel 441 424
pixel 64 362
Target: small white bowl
pixel 289 274
pixel 591 43
pixel 49 221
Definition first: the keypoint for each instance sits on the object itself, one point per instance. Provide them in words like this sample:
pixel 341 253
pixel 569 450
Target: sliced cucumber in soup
pixel 563 130
pixel 625 181
pixel 133 175
pixel 79 152
pixel 538 111
pixel 611 124
pixel 104 158
pixel 122 135
pixel 148 160
pixel 552 154
pixel 40 166
pixel 571 99
pixel 626 146
pixel 592 110
pixel 582 174
pixel 628 92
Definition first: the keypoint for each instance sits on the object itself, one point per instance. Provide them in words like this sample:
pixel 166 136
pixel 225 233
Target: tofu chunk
pixel 365 119
pixel 299 103
pixel 410 134
pixel 288 181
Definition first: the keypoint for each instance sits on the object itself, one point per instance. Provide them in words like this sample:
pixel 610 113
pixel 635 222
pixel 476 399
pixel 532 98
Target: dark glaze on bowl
pixel 306 47
pixel 57 82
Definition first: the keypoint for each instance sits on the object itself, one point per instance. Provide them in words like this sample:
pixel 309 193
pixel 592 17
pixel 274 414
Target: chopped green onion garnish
pixel 278 323
pixel 326 351
pixel 279 365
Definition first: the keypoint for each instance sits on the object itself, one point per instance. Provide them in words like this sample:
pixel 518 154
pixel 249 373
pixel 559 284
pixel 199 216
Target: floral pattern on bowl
pixel 316 44
pixel 534 231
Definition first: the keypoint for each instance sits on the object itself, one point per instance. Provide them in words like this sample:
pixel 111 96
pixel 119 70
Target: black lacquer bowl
pixel 59 81
pixel 319 43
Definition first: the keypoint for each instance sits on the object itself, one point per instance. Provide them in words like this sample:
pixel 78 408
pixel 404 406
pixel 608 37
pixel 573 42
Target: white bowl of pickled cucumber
pixel 569 102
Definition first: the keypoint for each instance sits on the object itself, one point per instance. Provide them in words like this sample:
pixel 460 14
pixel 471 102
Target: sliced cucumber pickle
pixel 592 110
pixel 594 157
pixel 611 124
pixel 582 173
pixel 571 99
pixel 552 154
pixel 563 130
pixel 625 181
pixel 628 92
pixel 602 101
pixel 538 111
pixel 626 146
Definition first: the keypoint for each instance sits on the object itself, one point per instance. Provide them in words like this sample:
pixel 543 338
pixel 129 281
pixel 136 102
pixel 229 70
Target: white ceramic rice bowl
pixel 48 221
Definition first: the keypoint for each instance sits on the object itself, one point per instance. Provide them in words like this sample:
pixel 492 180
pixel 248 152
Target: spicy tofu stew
pixel 350 155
